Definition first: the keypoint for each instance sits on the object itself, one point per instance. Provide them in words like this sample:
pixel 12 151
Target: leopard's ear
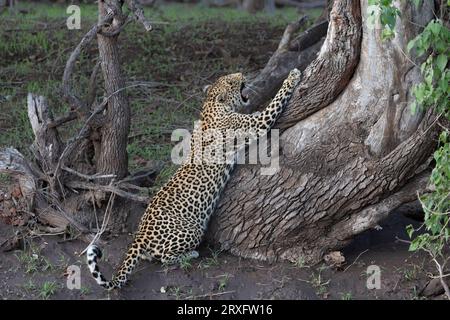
pixel 221 98
pixel 206 88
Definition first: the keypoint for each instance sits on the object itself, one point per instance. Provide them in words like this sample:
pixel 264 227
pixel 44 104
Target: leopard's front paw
pixel 295 76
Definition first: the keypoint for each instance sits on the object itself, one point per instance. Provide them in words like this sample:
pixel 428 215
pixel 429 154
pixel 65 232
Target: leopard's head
pixel 227 91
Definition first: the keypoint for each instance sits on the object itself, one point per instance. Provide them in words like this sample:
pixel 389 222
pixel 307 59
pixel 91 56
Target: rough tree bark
pixel 351 150
pixel 111 153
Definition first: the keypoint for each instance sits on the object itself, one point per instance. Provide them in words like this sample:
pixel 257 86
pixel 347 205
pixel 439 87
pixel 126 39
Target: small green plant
pixel 300 263
pixel 186 263
pixel 223 282
pixel 176 292
pixel 211 261
pixel 411 273
pixel 85 290
pixel 33 261
pixel 48 289
pixel 46 265
pixel 29 260
pixel 29 286
pixel 318 282
pixel 346 296
pixel 62 263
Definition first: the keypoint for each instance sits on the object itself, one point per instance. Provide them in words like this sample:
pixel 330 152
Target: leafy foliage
pixel 388 14
pixel 433 44
pixel 434 92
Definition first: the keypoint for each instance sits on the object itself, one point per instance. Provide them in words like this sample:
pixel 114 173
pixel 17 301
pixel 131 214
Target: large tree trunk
pixel 112 158
pixel 351 149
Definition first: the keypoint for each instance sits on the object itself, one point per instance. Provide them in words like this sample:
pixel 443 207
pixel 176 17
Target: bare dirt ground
pixel 39 272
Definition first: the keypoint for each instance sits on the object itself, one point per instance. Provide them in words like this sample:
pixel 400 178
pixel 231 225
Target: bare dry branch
pixel 47 144
pixel 289 32
pixel 309 37
pixel 87 38
pixel 90 96
pixel 88 177
pixel 138 12
pixel 107 188
pixel 72 143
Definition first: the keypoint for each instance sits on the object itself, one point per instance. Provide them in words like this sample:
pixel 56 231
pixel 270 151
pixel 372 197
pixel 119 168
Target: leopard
pixel 176 219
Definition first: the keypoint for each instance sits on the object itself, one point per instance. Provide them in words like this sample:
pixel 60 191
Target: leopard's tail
pixel 120 278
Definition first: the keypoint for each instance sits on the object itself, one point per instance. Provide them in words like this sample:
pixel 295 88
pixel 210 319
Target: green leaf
pixel 387 33
pixel 414 245
pixel 411 44
pixel 443 136
pixel 435 27
pixel 441 61
pixel 410 230
pixel 419 92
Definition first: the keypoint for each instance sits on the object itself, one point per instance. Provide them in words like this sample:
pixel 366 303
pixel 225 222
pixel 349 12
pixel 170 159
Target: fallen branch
pixel 309 37
pixel 289 32
pixel 107 188
pixel 89 177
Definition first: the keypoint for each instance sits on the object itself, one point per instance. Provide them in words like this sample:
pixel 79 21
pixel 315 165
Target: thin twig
pixel 210 294
pixel 105 222
pixel 88 177
pixel 441 278
pixel 108 188
pixel 356 259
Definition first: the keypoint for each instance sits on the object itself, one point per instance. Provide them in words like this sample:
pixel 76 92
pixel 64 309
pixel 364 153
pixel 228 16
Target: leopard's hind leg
pixel 173 259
